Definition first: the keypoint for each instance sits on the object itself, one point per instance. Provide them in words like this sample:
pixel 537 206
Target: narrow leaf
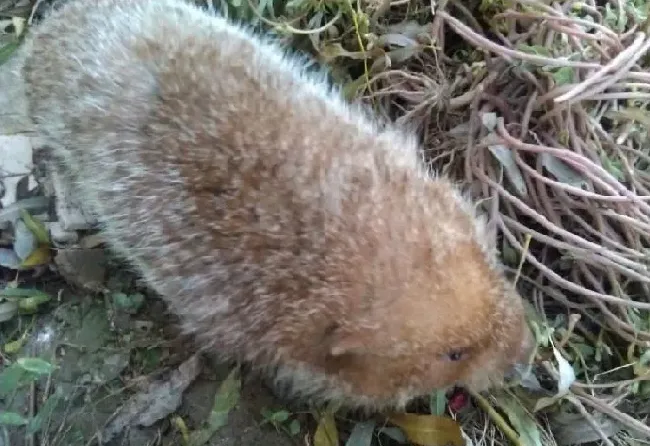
pixel 507 160
pixel 361 434
pixel 12 419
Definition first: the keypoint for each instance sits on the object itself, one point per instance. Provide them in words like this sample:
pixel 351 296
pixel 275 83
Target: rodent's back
pixel 155 102
pixel 283 225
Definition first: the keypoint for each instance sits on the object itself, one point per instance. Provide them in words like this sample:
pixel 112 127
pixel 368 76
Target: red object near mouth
pixel 458 400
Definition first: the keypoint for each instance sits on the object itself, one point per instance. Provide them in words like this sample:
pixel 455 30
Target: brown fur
pixel 285 227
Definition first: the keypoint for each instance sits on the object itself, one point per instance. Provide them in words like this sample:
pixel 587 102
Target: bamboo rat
pixel 286 227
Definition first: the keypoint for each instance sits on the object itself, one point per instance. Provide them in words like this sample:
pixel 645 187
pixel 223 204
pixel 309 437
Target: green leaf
pixel 280 416
pixel 12 419
pixel 11 378
pixel 535 49
pixel 35 365
pixel 564 76
pixel 437 402
pixel 128 302
pixel 22 292
pixel 31 304
pixel 523 423
pixel 294 427
pixel 225 400
pixel 361 434
pixel 7 50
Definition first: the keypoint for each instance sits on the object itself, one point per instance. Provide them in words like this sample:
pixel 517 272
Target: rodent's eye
pixel 456 354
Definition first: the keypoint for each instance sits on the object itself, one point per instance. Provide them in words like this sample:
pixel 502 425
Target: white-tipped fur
pixel 275 218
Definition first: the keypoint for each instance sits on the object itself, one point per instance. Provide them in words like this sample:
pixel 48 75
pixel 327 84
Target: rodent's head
pixel 436 311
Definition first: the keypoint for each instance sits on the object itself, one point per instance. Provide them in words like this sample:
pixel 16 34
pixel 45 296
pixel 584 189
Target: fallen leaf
pixel 410 28
pixel 182 428
pixel 507 160
pixel 397 40
pixel 40 256
pixel 567 374
pixel 566 378
pixel 400 55
pixel 637 114
pixel 569 429
pixel 159 400
pixel 561 171
pixel 522 422
pixel 361 434
pixel 429 430
pixel 326 433
pixel 489 121
pixel 225 400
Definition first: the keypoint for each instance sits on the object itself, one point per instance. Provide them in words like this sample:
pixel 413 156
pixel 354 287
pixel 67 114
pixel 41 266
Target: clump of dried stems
pixel 547 117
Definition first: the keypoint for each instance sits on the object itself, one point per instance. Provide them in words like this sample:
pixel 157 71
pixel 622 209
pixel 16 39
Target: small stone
pixel 83 267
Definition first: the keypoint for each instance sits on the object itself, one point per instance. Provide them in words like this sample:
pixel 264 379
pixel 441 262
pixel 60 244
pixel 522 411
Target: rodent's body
pixel 283 226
